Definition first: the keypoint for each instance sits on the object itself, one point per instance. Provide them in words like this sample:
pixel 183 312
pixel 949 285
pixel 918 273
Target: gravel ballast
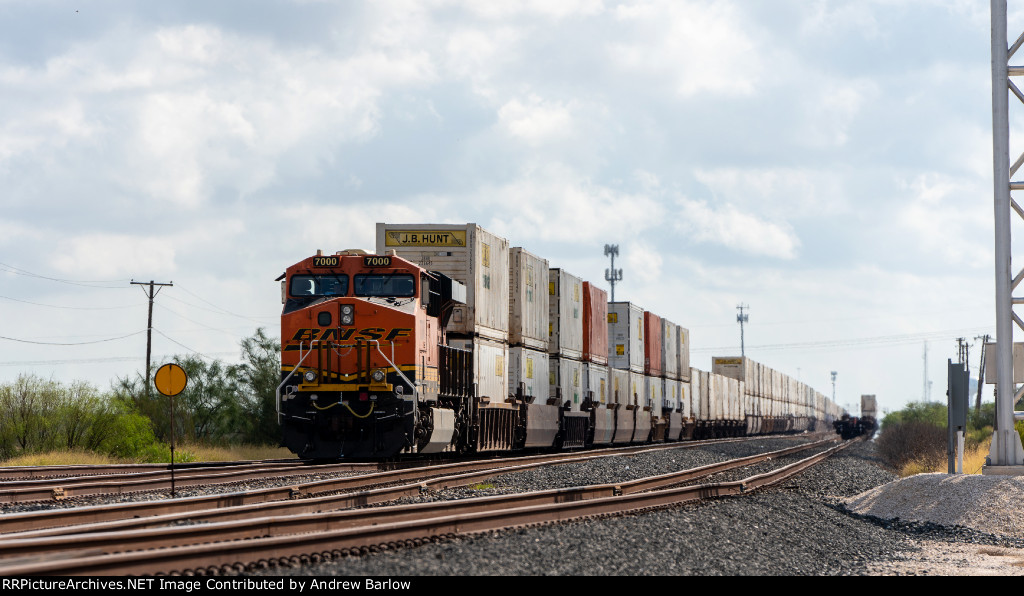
pixel 846 516
pixel 800 528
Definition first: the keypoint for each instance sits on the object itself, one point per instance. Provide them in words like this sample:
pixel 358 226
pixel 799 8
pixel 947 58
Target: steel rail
pixel 304 517
pixel 23 491
pixel 236 555
pixel 34 520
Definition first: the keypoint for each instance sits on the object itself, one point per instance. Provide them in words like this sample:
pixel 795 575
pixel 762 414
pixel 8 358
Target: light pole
pixel 612 275
pixel 742 318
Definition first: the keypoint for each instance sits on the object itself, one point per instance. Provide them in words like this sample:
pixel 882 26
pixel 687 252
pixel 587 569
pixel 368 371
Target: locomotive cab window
pixel 395 285
pixel 318 285
pixel 304 290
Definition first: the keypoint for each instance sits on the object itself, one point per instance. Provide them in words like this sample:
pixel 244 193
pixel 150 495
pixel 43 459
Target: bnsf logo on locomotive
pixel 349 334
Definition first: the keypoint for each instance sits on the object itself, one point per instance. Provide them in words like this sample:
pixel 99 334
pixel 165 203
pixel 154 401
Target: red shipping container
pixel 595 324
pixel 652 344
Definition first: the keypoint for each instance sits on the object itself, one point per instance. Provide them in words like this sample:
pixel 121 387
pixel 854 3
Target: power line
pixel 857 342
pixel 71 307
pixel 82 343
pixel 75 282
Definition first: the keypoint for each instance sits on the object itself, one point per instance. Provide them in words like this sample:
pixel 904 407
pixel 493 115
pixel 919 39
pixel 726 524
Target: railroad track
pixel 121 482
pixel 252 538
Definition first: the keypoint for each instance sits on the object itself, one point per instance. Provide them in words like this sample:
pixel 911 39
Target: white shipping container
pixel 565 314
pixel 703 398
pixel 669 349
pixel 595 382
pixel 466 253
pixel 654 394
pixel 685 398
pixel 490 364
pixel 529 367
pixel 636 389
pixel 528 304
pixel 620 391
pixel 626 336
pixel 567 374
pixel 684 353
pixel 672 398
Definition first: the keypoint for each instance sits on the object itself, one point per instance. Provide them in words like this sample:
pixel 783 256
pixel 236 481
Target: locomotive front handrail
pixel 277 393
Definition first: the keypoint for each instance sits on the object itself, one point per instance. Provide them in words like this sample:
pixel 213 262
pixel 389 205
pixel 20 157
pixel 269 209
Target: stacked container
pixel 528 325
pixel 626 361
pixel 480 260
pixel 595 361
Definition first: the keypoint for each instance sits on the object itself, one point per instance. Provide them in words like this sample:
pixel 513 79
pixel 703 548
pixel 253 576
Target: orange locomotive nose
pixel 358 350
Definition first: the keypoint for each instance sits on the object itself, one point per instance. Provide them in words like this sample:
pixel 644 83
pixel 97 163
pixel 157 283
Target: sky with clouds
pixel 827 162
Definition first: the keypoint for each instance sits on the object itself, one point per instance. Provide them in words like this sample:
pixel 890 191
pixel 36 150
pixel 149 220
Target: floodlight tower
pixel 742 318
pixel 1006 456
pixel 612 275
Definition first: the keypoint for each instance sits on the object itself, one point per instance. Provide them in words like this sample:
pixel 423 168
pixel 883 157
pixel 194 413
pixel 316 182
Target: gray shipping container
pixel 529 367
pixel 684 353
pixel 565 314
pixel 669 349
pixel 626 336
pixel 595 379
pixel 466 253
pixel 490 362
pixel 528 304
pixel 567 375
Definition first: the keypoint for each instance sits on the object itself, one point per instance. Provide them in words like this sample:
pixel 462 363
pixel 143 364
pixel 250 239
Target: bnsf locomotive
pixel 413 350
pixel 365 366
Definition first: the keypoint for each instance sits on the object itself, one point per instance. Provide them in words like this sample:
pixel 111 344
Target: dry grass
pixel 974 459
pixel 235 452
pixel 181 453
pixel 62 458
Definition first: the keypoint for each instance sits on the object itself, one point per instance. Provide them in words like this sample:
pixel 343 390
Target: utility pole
pixel 612 275
pixel 834 373
pixel 742 318
pixel 154 289
pixel 981 372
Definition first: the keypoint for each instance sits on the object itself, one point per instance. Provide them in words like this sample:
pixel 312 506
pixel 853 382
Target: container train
pixel 848 426
pixel 446 340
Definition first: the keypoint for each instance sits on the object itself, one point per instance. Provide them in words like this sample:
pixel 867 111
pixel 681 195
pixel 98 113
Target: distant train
pixel 448 341
pixel 849 427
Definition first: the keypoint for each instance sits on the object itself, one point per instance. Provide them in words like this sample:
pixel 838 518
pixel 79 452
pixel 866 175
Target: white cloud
pixel 790 193
pixel 735 229
pixel 536 121
pixel 100 255
pixel 696 46
pixel 945 226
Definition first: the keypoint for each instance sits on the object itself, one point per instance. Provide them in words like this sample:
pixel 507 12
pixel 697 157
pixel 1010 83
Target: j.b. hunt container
pixel 528 300
pixel 626 336
pixel 466 253
pixel 565 314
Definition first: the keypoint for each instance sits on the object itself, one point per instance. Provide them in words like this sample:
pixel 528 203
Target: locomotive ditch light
pixel 310 376
pixel 378 375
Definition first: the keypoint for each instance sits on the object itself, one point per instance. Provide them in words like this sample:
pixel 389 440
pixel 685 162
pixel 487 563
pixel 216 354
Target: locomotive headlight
pixel 310 376
pixel 378 376
pixel 348 314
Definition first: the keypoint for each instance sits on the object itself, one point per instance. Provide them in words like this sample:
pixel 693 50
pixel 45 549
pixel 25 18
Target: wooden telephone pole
pixel 154 289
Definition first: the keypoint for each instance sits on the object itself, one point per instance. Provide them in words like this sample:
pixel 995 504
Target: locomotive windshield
pixel 318 285
pixel 393 285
